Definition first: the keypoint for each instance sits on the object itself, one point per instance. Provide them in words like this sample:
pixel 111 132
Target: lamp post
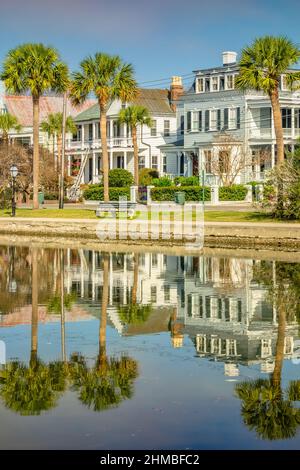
pixel 14 173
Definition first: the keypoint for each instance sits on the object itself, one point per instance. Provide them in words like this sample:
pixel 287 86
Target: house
pixel 215 120
pixel 86 144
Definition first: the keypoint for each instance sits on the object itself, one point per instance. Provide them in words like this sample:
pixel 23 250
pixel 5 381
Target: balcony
pixel 261 133
pixel 112 142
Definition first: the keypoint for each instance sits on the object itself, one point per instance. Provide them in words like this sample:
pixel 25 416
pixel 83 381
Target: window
pixel 189 121
pixel 265 118
pixel 167 293
pixel 164 159
pixel 232 118
pixel 229 82
pixel 286 114
pixel 222 83
pixel 77 137
pixel 284 86
pixel 90 132
pixel 208 161
pixel 182 124
pixel 200 85
pixel 181 164
pixel 154 260
pixel 207 306
pixel 206 122
pixel 142 162
pixel 166 128
pixel 225 124
pixel 214 83
pixel 120 161
pixel 97 129
pixel 213 120
pixel 207 84
pixel 195 123
pixel 297 118
pixel 154 162
pixel 153 294
pixel 153 131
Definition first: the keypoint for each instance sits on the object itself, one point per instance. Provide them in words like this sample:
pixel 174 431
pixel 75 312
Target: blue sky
pixel 160 37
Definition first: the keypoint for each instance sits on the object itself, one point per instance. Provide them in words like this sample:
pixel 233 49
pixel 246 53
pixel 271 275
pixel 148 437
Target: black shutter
pixel 225 119
pixel 238 118
pixel 189 120
pixel 200 121
pixel 218 119
pixel 207 120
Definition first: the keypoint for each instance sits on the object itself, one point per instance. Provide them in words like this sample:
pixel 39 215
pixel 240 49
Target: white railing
pixel 112 142
pixel 265 133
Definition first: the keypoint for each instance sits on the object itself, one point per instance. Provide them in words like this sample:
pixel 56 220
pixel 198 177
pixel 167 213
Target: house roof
pixel 156 100
pixel 21 107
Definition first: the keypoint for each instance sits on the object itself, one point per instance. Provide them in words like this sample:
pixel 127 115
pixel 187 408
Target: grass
pixel 210 216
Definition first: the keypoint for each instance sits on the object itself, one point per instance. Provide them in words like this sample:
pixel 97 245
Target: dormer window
pixel 214 83
pixel 222 83
pixel 229 82
pixel 207 84
pixel 200 85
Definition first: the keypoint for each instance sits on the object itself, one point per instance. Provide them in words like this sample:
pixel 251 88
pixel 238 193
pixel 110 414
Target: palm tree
pixel 53 127
pixel 261 67
pixel 8 122
pixel 35 69
pixel 108 78
pixel 133 116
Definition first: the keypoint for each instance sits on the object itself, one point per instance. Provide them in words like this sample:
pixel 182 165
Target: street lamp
pixel 14 173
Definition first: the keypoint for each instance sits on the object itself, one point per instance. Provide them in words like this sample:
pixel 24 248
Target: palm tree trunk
pixel 62 306
pixel 59 147
pixel 36 124
pixel 135 156
pixel 279 356
pixel 135 279
pixel 34 305
pixel 274 96
pixel 105 161
pixel 103 321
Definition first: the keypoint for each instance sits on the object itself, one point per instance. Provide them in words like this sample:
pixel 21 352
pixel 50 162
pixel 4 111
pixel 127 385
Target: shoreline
pixel 227 235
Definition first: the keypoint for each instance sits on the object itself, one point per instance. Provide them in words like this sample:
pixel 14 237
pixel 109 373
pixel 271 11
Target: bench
pixel 116 207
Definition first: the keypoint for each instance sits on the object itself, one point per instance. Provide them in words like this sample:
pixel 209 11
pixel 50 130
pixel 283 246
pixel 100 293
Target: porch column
pixel 272 155
pixel 293 123
pixel 93 166
pixel 111 160
pixel 82 136
pixel 125 160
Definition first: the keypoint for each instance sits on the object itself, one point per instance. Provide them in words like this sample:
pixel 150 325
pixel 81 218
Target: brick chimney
pixel 176 90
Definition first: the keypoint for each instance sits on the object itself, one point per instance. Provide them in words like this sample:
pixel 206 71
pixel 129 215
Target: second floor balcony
pixel 112 142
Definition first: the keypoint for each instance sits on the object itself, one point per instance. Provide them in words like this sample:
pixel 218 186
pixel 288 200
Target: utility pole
pixel 62 169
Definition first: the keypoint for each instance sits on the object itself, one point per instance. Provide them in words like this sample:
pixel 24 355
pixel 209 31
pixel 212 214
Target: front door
pixel 120 161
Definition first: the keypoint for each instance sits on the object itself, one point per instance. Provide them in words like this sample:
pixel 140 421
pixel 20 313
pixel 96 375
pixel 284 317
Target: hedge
pixel 120 178
pixel 187 180
pixel 236 192
pixel 95 193
pixel 162 182
pixel 192 193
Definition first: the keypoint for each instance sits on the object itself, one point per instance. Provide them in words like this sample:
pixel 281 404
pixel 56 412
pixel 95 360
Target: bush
pixel 162 182
pixel 95 193
pixel 186 180
pixel 5 198
pixel 236 192
pixel 51 196
pixel 120 178
pixel 192 193
pixel 147 175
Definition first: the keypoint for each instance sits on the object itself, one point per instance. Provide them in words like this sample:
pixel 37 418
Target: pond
pixel 147 350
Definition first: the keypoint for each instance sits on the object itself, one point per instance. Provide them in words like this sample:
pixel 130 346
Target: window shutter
pixel 200 121
pixel 238 118
pixel 189 120
pixel 207 120
pixel 218 119
pixel 225 119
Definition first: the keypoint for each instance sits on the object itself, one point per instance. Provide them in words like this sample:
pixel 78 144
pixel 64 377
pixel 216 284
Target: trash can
pixel 179 197
pixel 41 197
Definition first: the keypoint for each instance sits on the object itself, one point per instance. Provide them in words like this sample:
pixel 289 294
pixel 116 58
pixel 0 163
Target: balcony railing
pixel 112 142
pixel 265 133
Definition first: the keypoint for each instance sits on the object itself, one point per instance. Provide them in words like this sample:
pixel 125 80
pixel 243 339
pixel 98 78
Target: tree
pixel 261 67
pixel 108 78
pixel 53 127
pixel 35 69
pixel 8 122
pixel 133 116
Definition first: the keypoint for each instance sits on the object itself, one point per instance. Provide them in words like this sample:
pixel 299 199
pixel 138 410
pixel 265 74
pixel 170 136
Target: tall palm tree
pixel 134 116
pixel 261 67
pixel 8 122
pixel 53 127
pixel 109 78
pixel 34 69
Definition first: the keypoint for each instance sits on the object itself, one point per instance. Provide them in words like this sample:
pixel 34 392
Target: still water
pixel 151 351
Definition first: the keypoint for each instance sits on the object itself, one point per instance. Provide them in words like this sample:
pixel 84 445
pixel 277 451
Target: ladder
pixel 74 192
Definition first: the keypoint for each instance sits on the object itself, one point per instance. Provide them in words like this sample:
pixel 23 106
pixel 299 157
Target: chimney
pixel 176 90
pixel 229 57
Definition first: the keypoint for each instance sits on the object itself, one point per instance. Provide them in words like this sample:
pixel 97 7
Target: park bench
pixel 116 207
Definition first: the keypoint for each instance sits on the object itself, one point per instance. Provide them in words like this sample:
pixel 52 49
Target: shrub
pixel 186 180
pixel 192 193
pixel 5 198
pixel 236 192
pixel 147 175
pixel 120 178
pixel 51 196
pixel 95 193
pixel 162 182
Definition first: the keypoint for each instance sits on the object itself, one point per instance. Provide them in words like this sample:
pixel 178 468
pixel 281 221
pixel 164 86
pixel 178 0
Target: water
pixel 173 363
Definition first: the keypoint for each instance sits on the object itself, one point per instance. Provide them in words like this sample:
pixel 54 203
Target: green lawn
pixel 210 216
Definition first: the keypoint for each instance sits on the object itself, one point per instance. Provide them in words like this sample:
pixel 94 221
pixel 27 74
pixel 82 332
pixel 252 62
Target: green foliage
pixel 95 193
pixel 147 175
pixel 236 192
pixel 53 125
pixel 162 182
pixel 192 193
pixel 134 314
pixel 7 123
pixel 135 115
pixel 120 178
pixel 5 198
pixel 54 304
pixel 186 180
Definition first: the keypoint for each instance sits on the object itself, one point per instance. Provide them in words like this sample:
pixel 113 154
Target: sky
pixel 160 38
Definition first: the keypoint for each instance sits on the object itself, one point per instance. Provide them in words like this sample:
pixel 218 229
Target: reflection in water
pixel 237 312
